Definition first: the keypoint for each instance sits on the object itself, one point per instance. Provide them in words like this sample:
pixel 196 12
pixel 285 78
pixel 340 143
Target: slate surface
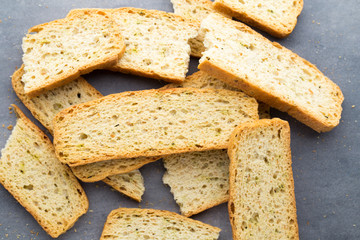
pixel 326 166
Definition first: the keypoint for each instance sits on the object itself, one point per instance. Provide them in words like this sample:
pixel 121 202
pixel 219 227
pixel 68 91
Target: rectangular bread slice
pixel 196 10
pixel 58 52
pixel 203 80
pixel 131 184
pixel 150 123
pixel 45 106
pixel 45 187
pixel 198 180
pixel 156 43
pixel 262 199
pixel 134 223
pixel 277 18
pixel 272 74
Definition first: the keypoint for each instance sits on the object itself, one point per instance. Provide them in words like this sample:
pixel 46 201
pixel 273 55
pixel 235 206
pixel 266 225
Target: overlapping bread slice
pixel 278 18
pixel 150 123
pixel 244 59
pixel 156 43
pixel 198 180
pixel 44 186
pixel 134 223
pixel 201 79
pixel 45 106
pixel 131 184
pixel 58 52
pixel 262 199
pixel 196 10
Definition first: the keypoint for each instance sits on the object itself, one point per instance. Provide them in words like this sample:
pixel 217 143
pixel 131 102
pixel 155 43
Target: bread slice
pixel 277 18
pixel 45 106
pixel 58 52
pixel 156 43
pixel 134 223
pixel 262 199
pixel 198 180
pixel 97 171
pixel 244 59
pixel 150 123
pixel 202 80
pixel 46 188
pixel 131 184
pixel 196 10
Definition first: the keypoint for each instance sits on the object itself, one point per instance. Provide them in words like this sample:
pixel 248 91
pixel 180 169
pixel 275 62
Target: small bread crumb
pixel 353 106
pixel 10 127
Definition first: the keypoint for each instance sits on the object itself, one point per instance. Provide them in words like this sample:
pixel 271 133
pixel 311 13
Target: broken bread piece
pixel 198 180
pixel 135 223
pixel 277 18
pixel 131 184
pixel 272 74
pixel 45 106
pixel 262 199
pixel 44 186
pixel 196 10
pixel 201 79
pixel 58 52
pixel 150 123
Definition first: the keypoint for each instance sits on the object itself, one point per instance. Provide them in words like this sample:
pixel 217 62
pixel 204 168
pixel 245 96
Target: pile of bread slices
pixel 205 127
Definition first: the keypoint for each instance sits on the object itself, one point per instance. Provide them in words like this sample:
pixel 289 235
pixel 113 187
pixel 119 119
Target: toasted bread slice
pixel 156 43
pixel 277 18
pixel 198 180
pixel 45 106
pixel 202 80
pixel 262 199
pixel 58 52
pixel 45 187
pixel 150 123
pixel 131 184
pixel 272 74
pixel 134 223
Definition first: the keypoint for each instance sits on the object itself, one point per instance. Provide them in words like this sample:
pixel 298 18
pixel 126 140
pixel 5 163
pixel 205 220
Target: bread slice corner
pixel 278 18
pixel 130 184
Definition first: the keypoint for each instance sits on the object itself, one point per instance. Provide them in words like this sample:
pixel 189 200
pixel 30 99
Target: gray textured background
pixel 326 166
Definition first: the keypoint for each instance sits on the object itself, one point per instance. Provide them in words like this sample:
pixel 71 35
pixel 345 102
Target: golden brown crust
pixel 278 102
pixel 253 20
pixel 141 73
pixel 160 213
pixel 66 113
pixel 97 64
pixel 30 207
pixel 79 170
pixel 236 140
